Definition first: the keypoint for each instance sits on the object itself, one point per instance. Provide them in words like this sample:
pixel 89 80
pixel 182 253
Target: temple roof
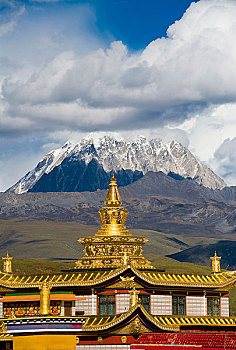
pixel 168 323
pixel 93 278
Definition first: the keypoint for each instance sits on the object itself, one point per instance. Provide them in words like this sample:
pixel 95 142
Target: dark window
pixel 79 313
pixel 145 301
pixel 68 308
pixel 106 305
pixel 213 306
pixel 178 305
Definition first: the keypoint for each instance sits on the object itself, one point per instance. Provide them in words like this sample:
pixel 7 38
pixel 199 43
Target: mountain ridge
pixel 156 201
pixel 106 155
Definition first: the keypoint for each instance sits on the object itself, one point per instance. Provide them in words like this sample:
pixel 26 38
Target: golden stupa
pixel 113 245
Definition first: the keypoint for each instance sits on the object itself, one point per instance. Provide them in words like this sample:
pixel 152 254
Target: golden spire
pixel 215 261
pixel 113 216
pixel 113 245
pixel 113 197
pixel 7 264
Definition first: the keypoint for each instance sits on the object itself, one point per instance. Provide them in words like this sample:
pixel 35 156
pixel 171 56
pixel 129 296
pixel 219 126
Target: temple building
pixel 111 297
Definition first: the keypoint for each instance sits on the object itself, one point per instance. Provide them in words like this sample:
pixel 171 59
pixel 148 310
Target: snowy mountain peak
pixel 116 154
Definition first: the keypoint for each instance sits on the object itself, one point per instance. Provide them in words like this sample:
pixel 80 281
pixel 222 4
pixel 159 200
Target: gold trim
pixel 95 278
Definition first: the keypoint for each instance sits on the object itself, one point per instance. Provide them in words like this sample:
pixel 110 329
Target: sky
pixel 154 68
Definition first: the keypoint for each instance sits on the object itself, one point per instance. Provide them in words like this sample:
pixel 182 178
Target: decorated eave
pixel 136 321
pixel 137 318
pixel 100 278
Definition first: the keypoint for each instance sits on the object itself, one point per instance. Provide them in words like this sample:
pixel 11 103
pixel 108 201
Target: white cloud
pixel 182 86
pixel 194 67
pixel 224 160
pixel 209 128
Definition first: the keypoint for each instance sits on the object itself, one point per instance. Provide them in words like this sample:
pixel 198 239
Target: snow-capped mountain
pixel 72 166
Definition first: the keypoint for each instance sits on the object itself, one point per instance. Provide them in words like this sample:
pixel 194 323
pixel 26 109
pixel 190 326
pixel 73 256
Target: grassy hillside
pixel 47 247
pixel 38 239
pixel 50 266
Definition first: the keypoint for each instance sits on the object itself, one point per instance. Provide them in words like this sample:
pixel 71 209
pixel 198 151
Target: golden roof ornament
pixel 44 299
pixel 7 264
pixel 128 282
pixel 113 245
pixel 134 299
pixel 113 197
pixel 215 261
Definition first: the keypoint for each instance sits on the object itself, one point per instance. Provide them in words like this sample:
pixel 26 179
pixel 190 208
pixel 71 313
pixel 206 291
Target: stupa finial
pixel 7 263
pixel 113 246
pixel 113 197
pixel 215 263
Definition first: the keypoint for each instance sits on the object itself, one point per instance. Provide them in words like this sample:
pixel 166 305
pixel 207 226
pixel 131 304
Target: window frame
pixel 147 306
pixel 213 306
pixel 179 305
pixel 107 304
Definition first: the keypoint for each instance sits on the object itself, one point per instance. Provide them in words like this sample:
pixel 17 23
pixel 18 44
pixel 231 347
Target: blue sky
pixel 158 68
pixel 136 23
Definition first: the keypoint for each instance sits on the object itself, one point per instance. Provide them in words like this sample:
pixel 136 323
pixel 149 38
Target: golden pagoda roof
pixel 101 323
pixel 92 278
pixel 169 323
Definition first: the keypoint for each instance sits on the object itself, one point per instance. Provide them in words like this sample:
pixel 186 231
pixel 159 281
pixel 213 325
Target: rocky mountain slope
pixel 88 165
pixel 225 249
pixel 156 201
pixel 182 218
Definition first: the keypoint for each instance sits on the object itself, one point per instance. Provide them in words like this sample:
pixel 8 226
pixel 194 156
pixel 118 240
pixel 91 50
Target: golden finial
pixel 113 197
pixel 108 248
pixel 215 261
pixel 7 264
pixel 44 299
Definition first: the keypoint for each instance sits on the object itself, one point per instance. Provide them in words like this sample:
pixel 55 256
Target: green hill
pixel 52 240
pixel 224 248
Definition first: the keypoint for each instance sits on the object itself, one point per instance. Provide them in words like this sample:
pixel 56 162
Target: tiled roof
pixel 89 278
pixel 196 320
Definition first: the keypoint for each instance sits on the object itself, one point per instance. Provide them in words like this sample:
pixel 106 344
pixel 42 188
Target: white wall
pixel 196 305
pixel 225 306
pixel 62 309
pixel 122 303
pixel 161 304
pixel 88 305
